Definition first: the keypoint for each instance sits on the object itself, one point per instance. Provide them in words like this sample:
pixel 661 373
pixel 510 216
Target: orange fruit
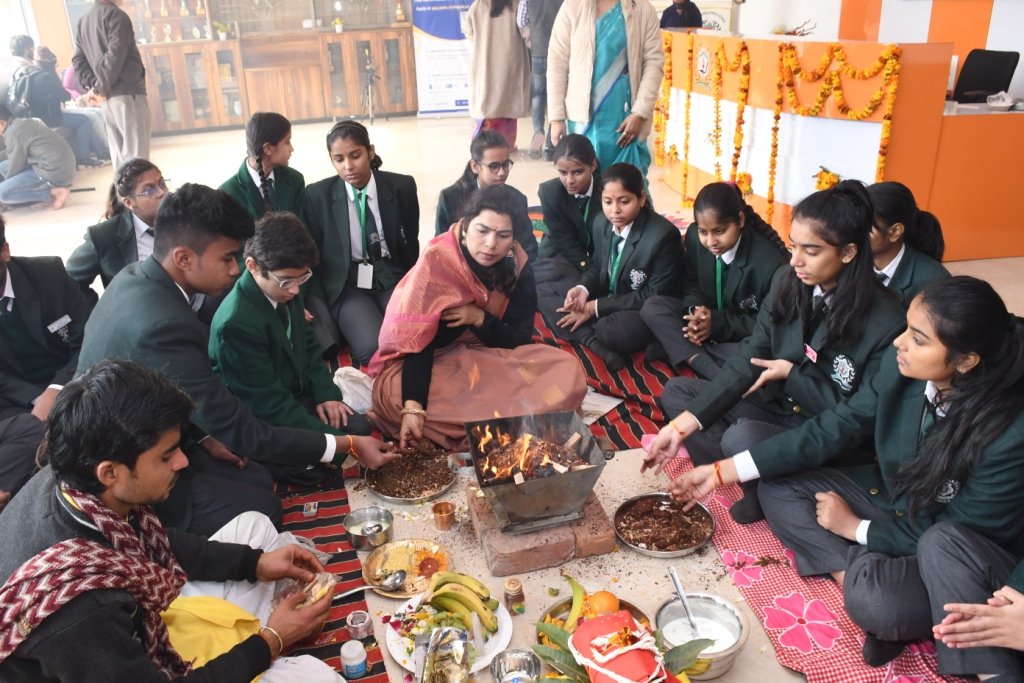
pixel 603 602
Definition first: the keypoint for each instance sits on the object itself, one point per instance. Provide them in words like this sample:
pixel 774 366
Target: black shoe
pixel 655 351
pixel 612 359
pixel 879 652
pixel 549 154
pixel 747 509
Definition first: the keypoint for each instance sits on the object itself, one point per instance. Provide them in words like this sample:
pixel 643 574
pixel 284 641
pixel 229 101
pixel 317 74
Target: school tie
pixel 718 281
pixel 371 241
pixel 882 277
pixel 928 417
pixel 282 313
pixel 6 305
pixel 582 200
pixel 613 260
pixel 816 312
pixel 150 232
pixel 270 193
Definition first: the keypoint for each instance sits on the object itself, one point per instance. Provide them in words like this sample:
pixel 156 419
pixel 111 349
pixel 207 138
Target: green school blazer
pixel 886 413
pixel 651 263
pixel 813 386
pixel 268 371
pixel 746 285
pixel 289 186
pixel 567 235
pixel 106 248
pixel 914 272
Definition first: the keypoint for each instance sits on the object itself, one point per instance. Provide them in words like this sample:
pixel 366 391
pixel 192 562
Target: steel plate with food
pixel 655 525
pixel 420 559
pixel 423 473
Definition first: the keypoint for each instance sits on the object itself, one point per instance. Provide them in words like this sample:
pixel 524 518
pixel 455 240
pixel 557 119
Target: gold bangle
pixel 414 411
pixel 280 642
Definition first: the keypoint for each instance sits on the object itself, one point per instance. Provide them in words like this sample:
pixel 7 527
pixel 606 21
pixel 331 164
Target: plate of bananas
pixel 451 599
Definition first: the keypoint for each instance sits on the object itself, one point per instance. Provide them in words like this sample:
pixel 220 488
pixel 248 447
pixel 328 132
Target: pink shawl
pixel 441 279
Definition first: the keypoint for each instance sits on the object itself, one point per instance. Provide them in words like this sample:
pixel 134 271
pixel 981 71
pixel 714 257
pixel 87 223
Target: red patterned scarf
pixel 141 564
pixel 440 280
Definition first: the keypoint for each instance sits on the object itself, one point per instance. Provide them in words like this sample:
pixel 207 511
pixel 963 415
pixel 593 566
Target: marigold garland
pixel 825 179
pixel 687 202
pixel 661 107
pixel 790 71
pixel 722 64
pixel 745 183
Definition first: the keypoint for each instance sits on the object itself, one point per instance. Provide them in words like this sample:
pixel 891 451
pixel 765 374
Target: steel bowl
pixel 515 666
pixel 369 527
pixel 705 606
pixel 452 463
pixel 662 553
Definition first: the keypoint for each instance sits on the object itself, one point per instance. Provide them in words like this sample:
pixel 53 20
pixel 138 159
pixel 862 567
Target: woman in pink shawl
pixel 454 346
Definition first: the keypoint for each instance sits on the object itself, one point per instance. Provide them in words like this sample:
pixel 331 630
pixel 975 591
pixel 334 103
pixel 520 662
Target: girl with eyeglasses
pixel 264 181
pixel 907 242
pixel 126 234
pixel 637 254
pixel 262 346
pixel 489 164
pixel 572 205
pixel 819 338
pixel 731 257
pixel 365 222
pixel 455 345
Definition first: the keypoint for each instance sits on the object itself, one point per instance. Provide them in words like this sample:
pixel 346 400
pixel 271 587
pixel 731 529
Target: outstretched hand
pixel 775 371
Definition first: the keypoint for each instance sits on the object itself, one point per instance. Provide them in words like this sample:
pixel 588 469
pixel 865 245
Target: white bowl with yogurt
pixel 717 620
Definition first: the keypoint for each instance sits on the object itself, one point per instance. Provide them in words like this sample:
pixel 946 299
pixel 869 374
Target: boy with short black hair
pixel 39 167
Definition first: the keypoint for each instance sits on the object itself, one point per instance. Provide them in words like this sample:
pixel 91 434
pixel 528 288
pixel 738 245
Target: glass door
pixel 198 90
pixel 232 103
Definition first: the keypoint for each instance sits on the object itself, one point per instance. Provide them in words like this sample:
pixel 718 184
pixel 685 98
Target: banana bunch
pixel 462 595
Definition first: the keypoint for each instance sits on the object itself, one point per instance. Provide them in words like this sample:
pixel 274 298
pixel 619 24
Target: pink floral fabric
pixel 804 618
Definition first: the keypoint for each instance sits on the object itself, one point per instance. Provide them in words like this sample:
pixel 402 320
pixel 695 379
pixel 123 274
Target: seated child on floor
pixel 819 338
pixel 731 256
pixel 39 165
pixel 262 346
pixel 264 181
pixel 637 254
pixel 571 204
pixel 906 241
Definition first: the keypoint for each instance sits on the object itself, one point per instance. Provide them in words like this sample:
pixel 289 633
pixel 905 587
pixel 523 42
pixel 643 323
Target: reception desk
pixel 958 165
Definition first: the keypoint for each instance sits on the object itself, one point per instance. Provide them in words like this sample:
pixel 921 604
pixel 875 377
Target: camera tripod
pixel 370 98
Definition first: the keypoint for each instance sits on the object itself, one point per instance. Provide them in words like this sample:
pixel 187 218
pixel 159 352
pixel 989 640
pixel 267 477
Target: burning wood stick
pixel 559 467
pixel 518 478
pixel 571 442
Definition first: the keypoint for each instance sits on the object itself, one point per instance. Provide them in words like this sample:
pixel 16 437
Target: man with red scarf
pixel 89 570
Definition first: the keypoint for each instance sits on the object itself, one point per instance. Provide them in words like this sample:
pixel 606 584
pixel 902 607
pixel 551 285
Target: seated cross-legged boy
pixel 261 345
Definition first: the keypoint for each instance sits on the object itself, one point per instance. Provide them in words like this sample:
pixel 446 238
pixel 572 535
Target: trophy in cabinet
pixel 164 12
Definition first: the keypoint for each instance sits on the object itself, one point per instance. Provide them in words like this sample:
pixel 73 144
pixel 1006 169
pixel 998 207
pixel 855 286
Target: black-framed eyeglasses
pixel 153 190
pixel 288 283
pixel 496 166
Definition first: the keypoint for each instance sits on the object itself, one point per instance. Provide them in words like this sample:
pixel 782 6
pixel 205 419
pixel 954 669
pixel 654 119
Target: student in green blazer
pixel 571 204
pixel 264 181
pixel 126 236
pixel 819 338
pixel 489 164
pixel 906 241
pixel 365 223
pixel 262 346
pixel 637 254
pixel 945 418
pixel 731 256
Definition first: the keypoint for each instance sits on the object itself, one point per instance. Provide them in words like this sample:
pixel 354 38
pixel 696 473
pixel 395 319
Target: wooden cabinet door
pixel 297 92
pixel 342 87
pixel 197 86
pixel 167 110
pixel 224 62
pixel 398 71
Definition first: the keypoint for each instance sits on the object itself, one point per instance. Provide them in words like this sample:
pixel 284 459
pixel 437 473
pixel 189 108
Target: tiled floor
pixel 434 151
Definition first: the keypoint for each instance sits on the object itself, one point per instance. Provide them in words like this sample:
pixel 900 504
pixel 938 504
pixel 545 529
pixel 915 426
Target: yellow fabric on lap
pixel 202 628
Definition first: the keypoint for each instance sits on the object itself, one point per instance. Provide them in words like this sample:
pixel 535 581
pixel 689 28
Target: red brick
pixel 594 532
pixel 511 554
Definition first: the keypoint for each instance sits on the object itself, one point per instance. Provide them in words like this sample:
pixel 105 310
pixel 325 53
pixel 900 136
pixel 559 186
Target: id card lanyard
pixel 364 271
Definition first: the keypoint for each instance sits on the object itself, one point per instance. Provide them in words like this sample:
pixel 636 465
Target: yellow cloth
pixel 202 628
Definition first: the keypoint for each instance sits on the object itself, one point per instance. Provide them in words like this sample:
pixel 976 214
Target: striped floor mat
pixel 639 384
pixel 328 533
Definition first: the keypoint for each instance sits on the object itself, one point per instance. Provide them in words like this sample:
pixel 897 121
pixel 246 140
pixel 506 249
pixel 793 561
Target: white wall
pixel 760 17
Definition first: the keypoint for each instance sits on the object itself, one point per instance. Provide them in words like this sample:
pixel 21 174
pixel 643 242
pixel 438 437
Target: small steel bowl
pixel 661 553
pixel 515 666
pixel 369 527
pixel 721 611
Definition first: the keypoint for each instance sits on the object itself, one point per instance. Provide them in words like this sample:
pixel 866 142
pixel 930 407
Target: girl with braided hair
pixel 265 182
pixel 731 257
